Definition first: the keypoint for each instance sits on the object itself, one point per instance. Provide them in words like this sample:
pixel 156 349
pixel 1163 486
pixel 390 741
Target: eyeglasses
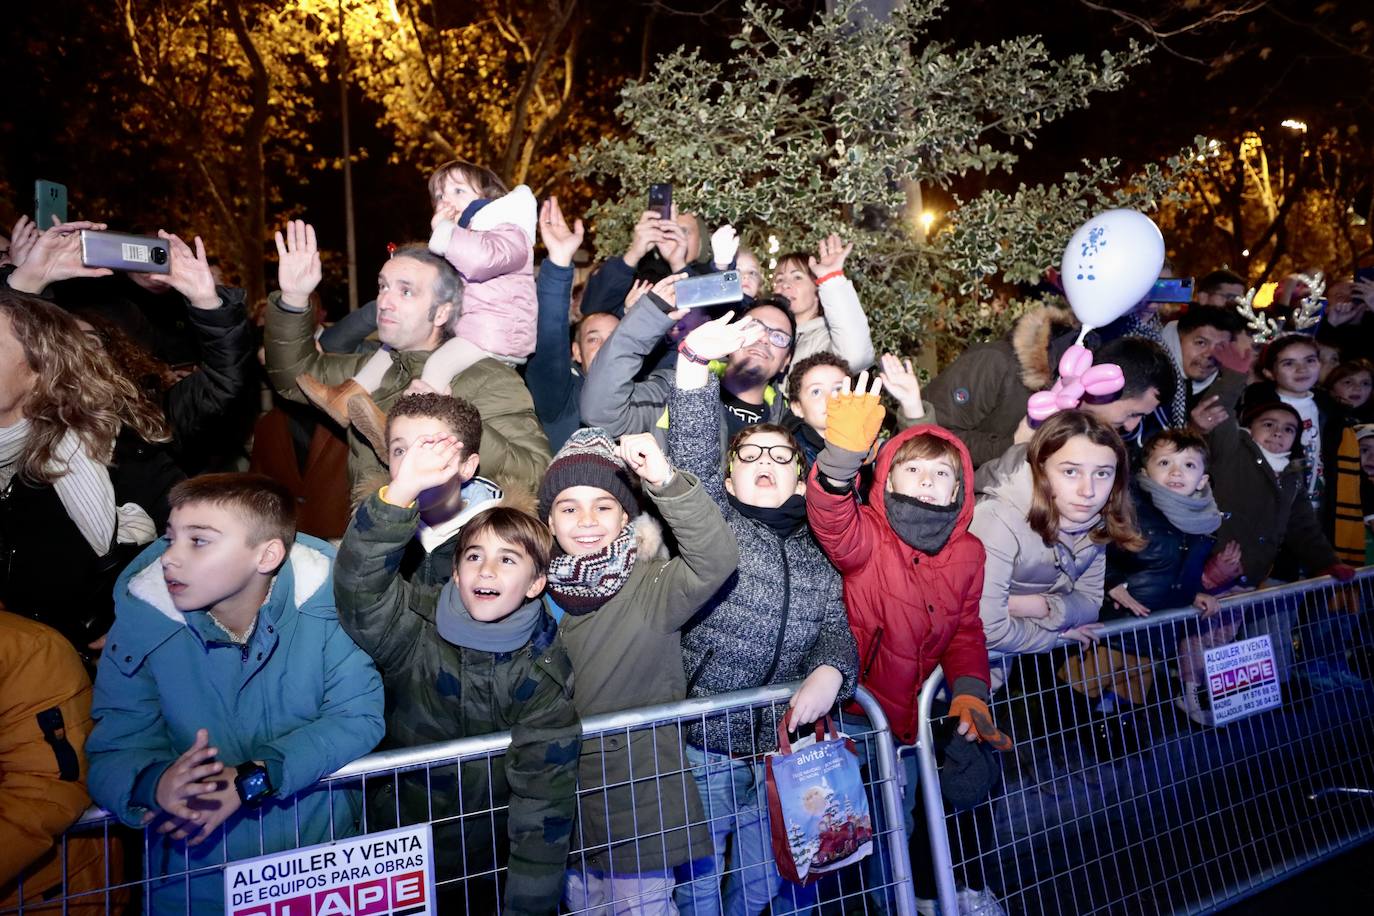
pixel 778 454
pixel 780 339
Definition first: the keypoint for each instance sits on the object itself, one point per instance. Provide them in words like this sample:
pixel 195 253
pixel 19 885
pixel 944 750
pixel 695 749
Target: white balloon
pixel 1110 264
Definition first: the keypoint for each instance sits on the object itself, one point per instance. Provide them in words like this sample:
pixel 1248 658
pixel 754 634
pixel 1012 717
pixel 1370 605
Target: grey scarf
pixel 922 526
pixel 1192 514
pixel 459 627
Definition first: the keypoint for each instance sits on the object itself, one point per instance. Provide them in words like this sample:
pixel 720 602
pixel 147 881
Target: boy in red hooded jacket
pixel 912 572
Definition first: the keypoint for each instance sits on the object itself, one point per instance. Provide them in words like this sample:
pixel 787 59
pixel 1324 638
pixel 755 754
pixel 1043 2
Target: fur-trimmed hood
pixel 1039 339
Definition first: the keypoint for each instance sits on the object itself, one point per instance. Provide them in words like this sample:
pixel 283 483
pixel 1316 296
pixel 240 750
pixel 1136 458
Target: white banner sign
pixel 1241 679
pixel 381 874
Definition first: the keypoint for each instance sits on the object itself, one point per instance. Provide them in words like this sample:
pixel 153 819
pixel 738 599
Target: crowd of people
pixel 493 501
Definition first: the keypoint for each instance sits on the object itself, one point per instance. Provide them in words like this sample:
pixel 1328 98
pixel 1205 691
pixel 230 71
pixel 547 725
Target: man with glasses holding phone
pixel 749 376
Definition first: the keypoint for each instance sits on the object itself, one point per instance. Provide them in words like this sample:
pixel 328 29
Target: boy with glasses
pixel 749 391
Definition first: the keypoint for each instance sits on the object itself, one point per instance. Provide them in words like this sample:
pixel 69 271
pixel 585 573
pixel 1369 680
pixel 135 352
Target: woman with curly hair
pixel 82 483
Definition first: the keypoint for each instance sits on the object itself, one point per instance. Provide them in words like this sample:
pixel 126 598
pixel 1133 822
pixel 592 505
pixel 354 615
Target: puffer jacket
pixel 437 691
pixel 495 255
pixel 514 446
pixel 841 328
pixel 777 619
pixel 300 696
pixel 1070 574
pixel 1167 574
pixel 639 810
pixel 44 720
pixel 909 611
pixel 981 396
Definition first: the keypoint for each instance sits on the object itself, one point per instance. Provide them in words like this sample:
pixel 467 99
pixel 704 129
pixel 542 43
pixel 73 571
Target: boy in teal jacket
pixel 227 689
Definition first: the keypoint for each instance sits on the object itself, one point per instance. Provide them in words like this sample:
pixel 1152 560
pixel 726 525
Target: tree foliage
pixel 1272 202
pixel 808 130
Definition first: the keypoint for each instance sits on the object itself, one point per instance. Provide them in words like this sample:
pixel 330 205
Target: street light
pixel 928 218
pixel 1295 125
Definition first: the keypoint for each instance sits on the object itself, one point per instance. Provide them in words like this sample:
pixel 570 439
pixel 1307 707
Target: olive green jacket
pixel 514 447
pixel 628 653
pixel 438 691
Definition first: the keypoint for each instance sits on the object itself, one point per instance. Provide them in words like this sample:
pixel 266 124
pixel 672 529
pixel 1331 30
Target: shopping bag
pixel 817 808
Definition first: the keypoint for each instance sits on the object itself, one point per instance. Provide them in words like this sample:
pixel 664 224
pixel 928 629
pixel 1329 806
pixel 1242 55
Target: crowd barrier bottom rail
pixel 106 867
pixel 1129 791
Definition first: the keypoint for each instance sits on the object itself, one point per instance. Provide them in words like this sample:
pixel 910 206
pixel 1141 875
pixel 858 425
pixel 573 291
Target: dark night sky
pixel 1165 103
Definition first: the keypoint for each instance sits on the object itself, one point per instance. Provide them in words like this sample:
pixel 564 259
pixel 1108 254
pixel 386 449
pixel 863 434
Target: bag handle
pixel 825 730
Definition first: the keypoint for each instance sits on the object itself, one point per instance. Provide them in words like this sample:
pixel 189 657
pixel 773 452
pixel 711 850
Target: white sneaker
pixel 979 903
pixel 1190 703
pixel 927 907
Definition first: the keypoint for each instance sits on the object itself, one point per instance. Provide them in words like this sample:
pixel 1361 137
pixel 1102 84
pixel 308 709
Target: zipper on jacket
pixel 786 603
pixel 872 653
pixel 701 666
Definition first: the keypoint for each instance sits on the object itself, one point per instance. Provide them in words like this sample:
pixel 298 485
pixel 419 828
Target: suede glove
pixel 974 712
pixel 853 420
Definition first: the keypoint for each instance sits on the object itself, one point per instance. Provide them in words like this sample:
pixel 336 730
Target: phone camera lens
pixel 159 255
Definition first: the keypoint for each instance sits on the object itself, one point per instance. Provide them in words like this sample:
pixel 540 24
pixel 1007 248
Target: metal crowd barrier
pixel 469 868
pixel 1122 797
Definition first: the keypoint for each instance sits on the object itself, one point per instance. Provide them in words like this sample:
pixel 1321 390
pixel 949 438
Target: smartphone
pixel 1364 273
pixel 1174 289
pixel 117 251
pixel 711 289
pixel 661 199
pixel 49 200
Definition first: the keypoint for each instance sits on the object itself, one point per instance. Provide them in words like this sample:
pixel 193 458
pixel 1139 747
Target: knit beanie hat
pixel 588 459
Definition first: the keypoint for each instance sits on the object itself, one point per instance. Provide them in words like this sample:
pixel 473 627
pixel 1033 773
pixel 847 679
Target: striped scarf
pixel 1149 328
pixel 582 584
pixel 1348 535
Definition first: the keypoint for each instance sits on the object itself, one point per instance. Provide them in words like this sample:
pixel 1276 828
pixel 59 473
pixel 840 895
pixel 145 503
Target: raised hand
pixel 298 265
pixel 429 462
pixel 560 241
pixel 56 256
pixel 666 289
pixel 644 457
pixel 830 255
pixel 190 272
pixel 852 419
pixel 23 237
pixel 719 338
pixel 724 246
pixel 647 234
pixel 673 244
pixel 637 290
pixel 900 380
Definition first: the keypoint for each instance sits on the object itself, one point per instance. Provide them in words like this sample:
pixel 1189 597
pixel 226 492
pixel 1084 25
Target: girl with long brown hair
pixel 1046 513
pixel 80 477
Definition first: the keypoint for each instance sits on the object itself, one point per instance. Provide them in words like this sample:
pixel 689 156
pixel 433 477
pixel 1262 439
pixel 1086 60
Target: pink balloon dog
pixel 1077 377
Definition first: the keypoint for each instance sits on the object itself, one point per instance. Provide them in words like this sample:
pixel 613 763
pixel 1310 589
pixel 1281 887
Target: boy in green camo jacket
pixel 466 648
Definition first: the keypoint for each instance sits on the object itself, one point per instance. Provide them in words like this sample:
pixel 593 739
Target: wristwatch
pixel 253 784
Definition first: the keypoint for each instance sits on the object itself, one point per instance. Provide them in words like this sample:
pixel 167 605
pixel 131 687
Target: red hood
pixel 884 464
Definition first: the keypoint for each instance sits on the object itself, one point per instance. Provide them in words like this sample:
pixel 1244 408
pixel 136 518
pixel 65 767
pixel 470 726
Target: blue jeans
pixel 735 796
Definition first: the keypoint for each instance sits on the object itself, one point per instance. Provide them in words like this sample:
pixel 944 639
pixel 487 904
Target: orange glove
pixel 853 420
pixel 974 713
